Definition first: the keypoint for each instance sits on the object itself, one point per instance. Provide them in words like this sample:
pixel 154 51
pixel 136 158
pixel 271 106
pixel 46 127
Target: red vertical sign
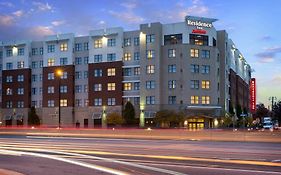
pixel 253 95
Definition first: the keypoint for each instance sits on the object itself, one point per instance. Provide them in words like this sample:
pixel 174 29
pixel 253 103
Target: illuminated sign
pixel 199 24
pixel 253 95
pixel 199 31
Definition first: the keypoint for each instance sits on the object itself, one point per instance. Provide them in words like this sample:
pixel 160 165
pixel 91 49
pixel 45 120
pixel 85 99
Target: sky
pixel 252 24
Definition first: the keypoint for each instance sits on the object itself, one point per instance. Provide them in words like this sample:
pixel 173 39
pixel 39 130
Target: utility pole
pixel 273 101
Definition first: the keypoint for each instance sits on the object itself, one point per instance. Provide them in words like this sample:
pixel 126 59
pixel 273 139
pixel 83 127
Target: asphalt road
pixel 58 155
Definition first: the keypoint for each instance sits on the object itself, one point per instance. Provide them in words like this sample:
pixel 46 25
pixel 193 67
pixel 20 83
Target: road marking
pixel 92 157
pixel 96 167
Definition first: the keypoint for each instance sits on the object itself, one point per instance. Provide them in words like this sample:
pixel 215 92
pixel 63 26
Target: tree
pixel 129 114
pixel 114 119
pixel 33 118
pixel 168 118
pixel 277 111
pixel 227 120
pixel 261 111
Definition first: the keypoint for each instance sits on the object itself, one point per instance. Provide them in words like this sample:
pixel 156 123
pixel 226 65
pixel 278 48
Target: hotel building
pixel 187 66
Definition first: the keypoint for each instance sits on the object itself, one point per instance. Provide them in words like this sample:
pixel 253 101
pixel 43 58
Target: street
pixel 73 155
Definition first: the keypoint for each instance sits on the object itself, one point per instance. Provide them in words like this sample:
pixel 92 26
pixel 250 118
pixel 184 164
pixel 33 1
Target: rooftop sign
pixel 200 22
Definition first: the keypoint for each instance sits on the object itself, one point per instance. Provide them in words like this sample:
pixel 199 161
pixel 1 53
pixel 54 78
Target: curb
pixel 8 172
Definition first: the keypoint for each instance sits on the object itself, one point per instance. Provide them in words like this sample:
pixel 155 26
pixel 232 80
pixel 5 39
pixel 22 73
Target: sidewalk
pixel 8 172
pixel 162 134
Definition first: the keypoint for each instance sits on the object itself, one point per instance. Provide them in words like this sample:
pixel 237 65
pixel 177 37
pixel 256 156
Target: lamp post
pixel 59 74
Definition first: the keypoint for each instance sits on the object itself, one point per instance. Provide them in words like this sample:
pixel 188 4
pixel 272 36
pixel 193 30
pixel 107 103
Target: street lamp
pixel 59 74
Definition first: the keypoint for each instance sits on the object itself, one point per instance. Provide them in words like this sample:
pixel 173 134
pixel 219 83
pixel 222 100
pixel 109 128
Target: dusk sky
pixel 253 25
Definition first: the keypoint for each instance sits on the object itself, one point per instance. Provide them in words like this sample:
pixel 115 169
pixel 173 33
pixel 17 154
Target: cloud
pixel 43 7
pixel 18 13
pixel 7 4
pixel 268 54
pixel 129 5
pixel 58 23
pixel 39 31
pixel 277 79
pixel 266 38
pixel 6 20
pixel 128 17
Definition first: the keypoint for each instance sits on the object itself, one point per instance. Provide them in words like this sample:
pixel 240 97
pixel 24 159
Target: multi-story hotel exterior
pixel 187 66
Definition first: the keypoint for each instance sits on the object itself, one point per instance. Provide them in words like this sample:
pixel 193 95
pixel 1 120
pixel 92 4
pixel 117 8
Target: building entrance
pixel 195 123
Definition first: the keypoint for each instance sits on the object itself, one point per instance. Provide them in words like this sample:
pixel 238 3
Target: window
pixel 150 54
pixel 136 56
pixel 136 41
pixel 51 48
pixel 127 42
pixel 63 102
pixel 194 84
pixel 111 86
pixel 172 68
pixel 127 72
pixel 20 91
pixel 127 86
pixel 20 78
pixel 97 87
pixel 172 84
pixel 9 66
pixel 86 46
pixel 150 69
pixel 34 64
pixel 51 76
pixel 9 104
pixel 78 60
pixel 78 75
pixel 194 100
pixel 20 51
pixel 97 102
pixel 150 100
pixel 173 39
pixel 172 100
pixel 40 90
pixel 137 86
pixel 205 100
pixel 41 50
pixel 111 101
pixel 34 78
pixel 97 58
pixel 86 60
pixel 51 103
pixel 9 91
pixel 98 43
pixel 86 102
pixel 51 89
pixel 111 72
pixel 78 88
pixel 33 91
pixel 9 53
pixel 34 104
pixel 20 64
pixel 194 68
pixel 63 89
pixel 111 57
pixel 51 62
pixel 136 100
pixel 150 84
pixel 1 54
pixel 205 54
pixel 41 63
pixel 63 47
pixel 20 104
pixel 172 53
pixel 205 69
pixel 127 56
pixel 194 53
pixel 9 79
pixel 78 102
pixel 111 42
pixel 34 51
pixel 199 40
pixel 63 61
pixel 205 84
pixel 150 38
pixel 86 74
pixel 85 88
pixel 136 70
pixel 64 75
pixel 78 47
pixel 97 72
